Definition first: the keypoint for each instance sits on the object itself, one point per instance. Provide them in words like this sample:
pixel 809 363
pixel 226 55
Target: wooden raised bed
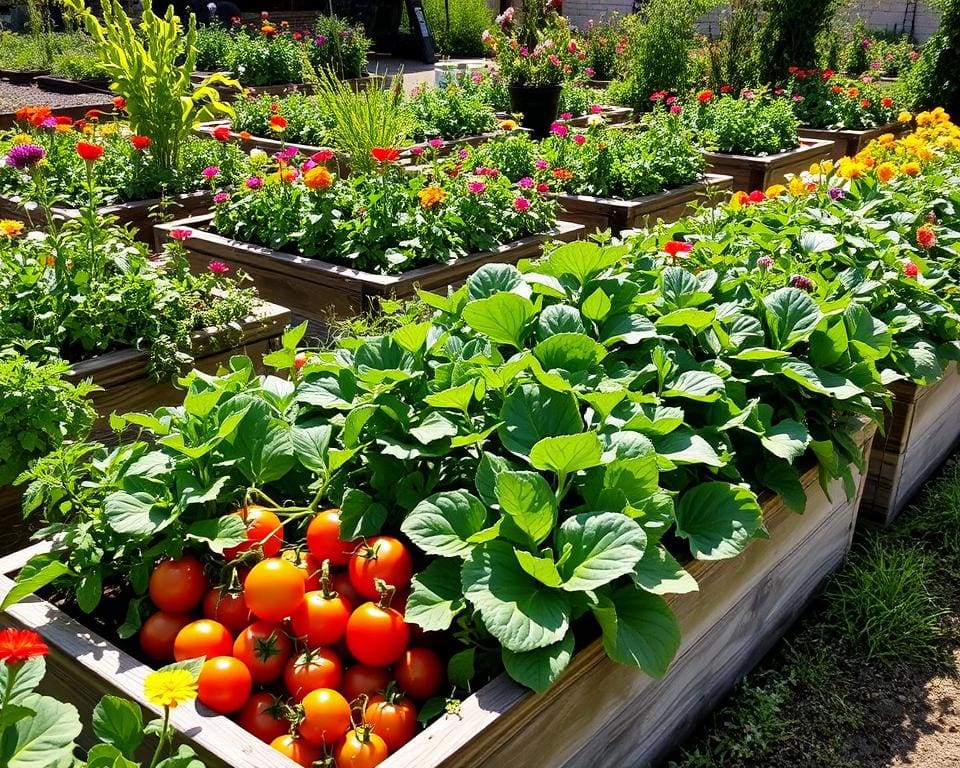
pixel 14 534
pixel 315 289
pixel 137 214
pixel 919 433
pixel 847 143
pixel 610 114
pixel 69 85
pixel 229 94
pixel 751 173
pixel 74 111
pixel 598 714
pixel 617 214
pixel 22 76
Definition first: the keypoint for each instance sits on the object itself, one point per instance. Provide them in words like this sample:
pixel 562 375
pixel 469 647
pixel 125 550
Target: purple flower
pixel 49 124
pixel 524 51
pixel 23 156
pixel 588 71
pixel 802 282
pixel 254 182
pixel 541 164
pixel 210 172
pixel 764 263
pixel 462 154
pixel 836 193
pixel 476 187
pixel 220 197
pixel 321 40
pixel 525 183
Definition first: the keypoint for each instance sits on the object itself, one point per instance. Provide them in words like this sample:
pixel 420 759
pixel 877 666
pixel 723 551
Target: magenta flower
pixel 588 71
pixel 476 187
pixel 220 197
pixel 321 40
pixel 521 204
pixel 542 188
pixel 462 154
pixel 49 124
pixel 254 182
pixel 764 263
pixel 836 193
pixel 525 183
pixel 181 234
pixel 541 164
pixel 566 115
pixel 416 151
pixel 559 129
pixel 802 282
pixel 436 143
pixel 23 156
pixel 210 172
pixel 287 153
pixel 676 109
pixel 218 268
pixel 579 139
pixel 596 109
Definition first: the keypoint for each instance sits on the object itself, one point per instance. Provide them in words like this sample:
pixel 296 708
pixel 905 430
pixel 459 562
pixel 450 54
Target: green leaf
pixel 435 426
pixel 25 679
pixel 329 392
pixel 639 630
pixel 817 380
pixel 502 317
pixel 135 514
pixel 792 316
pixel 310 446
pixel 695 385
pixel 543 569
pixel 516 609
pixel 264 448
pixel 531 413
pixel 784 480
pixel 200 403
pixel 582 260
pixel 436 596
pixel 354 423
pixel 659 573
pixel 569 352
pixel 218 533
pixel 529 502
pixel 869 337
pixel 696 320
pixel 559 318
pixel 597 305
pixel 787 440
pixel 443 523
pixel 412 337
pixel 491 279
pixel 31 578
pixel 45 740
pixel 107 755
pixel 540 668
pixel 684 446
pixel 718 519
pixel 567 453
pixel 461 668
pixel 630 329
pixel 602 547
pixel 118 722
pixel 818 242
pixel 486 479
pixel 89 590
pixel 360 515
pixel 456 397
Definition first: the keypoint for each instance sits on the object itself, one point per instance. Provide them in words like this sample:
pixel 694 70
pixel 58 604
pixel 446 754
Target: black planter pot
pixel 539 106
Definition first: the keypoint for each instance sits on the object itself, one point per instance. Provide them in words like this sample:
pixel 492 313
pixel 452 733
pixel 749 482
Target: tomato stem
pixel 325 584
pixel 386 592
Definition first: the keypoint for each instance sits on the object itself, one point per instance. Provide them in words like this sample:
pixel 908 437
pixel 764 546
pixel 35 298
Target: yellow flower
pixel 21 138
pixel 924 153
pixel 886 139
pixel 886 171
pixel 775 191
pixel 109 129
pixel 63 128
pixel 431 196
pixel 508 125
pixel 911 168
pixel 738 200
pixel 10 227
pixel 170 687
pixel 850 168
pixel 797 186
pixel 904 117
pixel 596 120
pixel 924 119
pixel 318 177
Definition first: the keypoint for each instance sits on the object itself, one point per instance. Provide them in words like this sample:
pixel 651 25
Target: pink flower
pixel 286 154
pixel 462 154
pixel 588 71
pixel 566 115
pixel 436 143
pixel 254 182
pixel 671 100
pixel 554 59
pixel 525 183
pixel 416 151
pixel 485 171
pixel 521 204
pixel 579 139
pixel 210 172
pixel 559 129
pixel 675 109
pixel 596 109
pixel 218 268
pixel 220 197
pixel 476 187
pixel 181 234
pixel 541 164
pixel 910 269
pixel 572 46
pixel 542 188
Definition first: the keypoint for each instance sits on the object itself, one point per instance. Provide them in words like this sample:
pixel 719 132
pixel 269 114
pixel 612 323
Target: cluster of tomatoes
pixel 310 651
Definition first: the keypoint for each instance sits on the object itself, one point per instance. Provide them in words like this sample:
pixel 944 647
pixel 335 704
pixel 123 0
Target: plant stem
pixel 162 738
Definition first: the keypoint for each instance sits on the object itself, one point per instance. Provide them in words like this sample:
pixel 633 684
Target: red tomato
pixel 261 716
pixel 309 565
pixel 224 684
pixel 384 557
pixel 301 751
pixel 419 673
pixel 344 587
pixel 361 680
pixel 376 636
pixel 323 538
pixel 360 749
pixel 264 649
pixel 321 620
pixel 178 586
pixel 273 589
pixel 394 721
pixel 320 668
pixel 158 633
pixel 228 608
pixel 264 529
pixel 202 638
pixel 326 716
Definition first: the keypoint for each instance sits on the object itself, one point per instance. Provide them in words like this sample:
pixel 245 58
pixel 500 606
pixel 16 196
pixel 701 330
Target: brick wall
pixel 916 17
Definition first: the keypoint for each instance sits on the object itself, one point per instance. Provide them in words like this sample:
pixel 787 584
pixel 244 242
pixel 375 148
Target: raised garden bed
pixel 68 85
pixel 848 143
pixel 73 111
pixel 14 534
pixel 599 713
pixel 227 94
pixel 138 214
pixel 611 115
pixel 919 433
pixel 314 289
pixel 751 173
pixel 22 76
pixel 617 215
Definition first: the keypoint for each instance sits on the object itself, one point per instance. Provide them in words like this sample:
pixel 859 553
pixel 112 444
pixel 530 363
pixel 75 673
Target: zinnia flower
pixel 521 204
pixel 803 283
pixel 566 115
pixel 278 123
pixel 170 687
pixel 23 156
pixel 595 109
pixel 765 263
pixel 508 125
pixel 540 164
pixel 886 102
pixel 431 196
pixel 210 172
pixel 904 117
pixel 886 171
pixel 559 129
pixel 910 269
pixel 525 183
pixel 218 268
pixel 416 151
pixel 757 196
pixel 910 169
pixel 385 154
pixel 579 139
pixel 675 247
pixel 19 645
pixel 11 227
pixel 244 135
pixel 119 102
pixel 318 177
pixel 436 143
pixel 322 156
pixel 220 197
pixel 221 133
pixel 254 182
pixel 476 187
pixel 562 174
pixel 140 142
pixel 926 237
pixel 836 193
pixel 704 96
pixel 543 188
pixel 181 234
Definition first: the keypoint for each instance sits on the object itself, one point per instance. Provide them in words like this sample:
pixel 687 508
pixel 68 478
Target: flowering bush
pixel 338 46
pixel 751 124
pixel 603 45
pixel 823 99
pixel 388 221
pixel 451 112
pixel 307 122
pixel 880 53
pixel 264 55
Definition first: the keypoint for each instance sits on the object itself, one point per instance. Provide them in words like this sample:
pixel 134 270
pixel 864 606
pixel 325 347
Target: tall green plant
pixel 150 65
pixel 788 34
pixel 731 58
pixel 935 78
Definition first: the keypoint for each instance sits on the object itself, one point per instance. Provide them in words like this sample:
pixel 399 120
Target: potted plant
pixel 535 53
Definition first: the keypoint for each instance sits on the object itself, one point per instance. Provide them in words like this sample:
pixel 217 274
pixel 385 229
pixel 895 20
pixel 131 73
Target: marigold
pixel 11 227
pixel 21 138
pixel 797 186
pixel 318 177
pixel 221 133
pixel 19 645
pixel 562 174
pixel 850 168
pixel 508 125
pixel 739 199
pixel 886 171
pixel 278 123
pixel 775 191
pixel 904 117
pixel 926 237
pixel 431 196
pixel 911 169
pixel 140 142
pixel 170 687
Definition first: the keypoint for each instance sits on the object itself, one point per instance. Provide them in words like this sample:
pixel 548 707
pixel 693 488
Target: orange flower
pixel 911 168
pixel 244 135
pixel 704 96
pixel 10 227
pixel 431 196
pixel 89 152
pixel 886 102
pixel 140 142
pixel 19 645
pixel 926 237
pixel 562 174
pixel 278 123
pixel 853 92
pixel 385 154
pixel 318 177
pixel 886 171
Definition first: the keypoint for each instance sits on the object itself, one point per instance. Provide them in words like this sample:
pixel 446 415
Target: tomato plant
pixel 264 530
pixel 361 749
pixel 264 649
pixel 224 684
pixel 178 586
pixel 323 538
pixel 362 680
pixel 301 751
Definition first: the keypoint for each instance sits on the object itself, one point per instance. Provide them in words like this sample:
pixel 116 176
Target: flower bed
pixel 847 143
pixel 762 172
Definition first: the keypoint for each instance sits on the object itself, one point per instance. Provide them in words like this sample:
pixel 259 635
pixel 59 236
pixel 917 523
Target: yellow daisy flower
pixel 170 687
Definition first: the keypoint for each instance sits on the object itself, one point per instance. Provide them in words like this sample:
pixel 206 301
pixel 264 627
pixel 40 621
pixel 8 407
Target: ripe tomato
pixel 228 608
pixel 273 589
pixel 309 565
pixel 264 649
pixel 326 716
pixel 360 749
pixel 224 684
pixel 393 720
pixel 344 587
pixel 301 751
pixel 264 529
pixel 321 620
pixel 384 557
pixel 178 586
pixel 320 668
pixel 202 638
pixel 261 716
pixel 419 673
pixel 376 636
pixel 158 633
pixel 360 680
pixel 323 538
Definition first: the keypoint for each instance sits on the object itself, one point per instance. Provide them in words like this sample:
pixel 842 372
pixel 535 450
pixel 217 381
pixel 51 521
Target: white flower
pixel 595 120
pixel 258 154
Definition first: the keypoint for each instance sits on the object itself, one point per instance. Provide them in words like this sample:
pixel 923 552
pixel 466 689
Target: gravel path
pixel 12 97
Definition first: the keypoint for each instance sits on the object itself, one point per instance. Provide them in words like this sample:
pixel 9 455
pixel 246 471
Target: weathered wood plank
pixel 751 173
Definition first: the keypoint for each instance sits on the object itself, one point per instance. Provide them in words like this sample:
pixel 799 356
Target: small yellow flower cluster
pixel 431 196
pixel 10 227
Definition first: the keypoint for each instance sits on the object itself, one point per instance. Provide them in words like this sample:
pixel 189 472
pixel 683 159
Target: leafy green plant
pixel 308 120
pixel 338 46
pixel 822 99
pixel 264 58
pixel 788 33
pixel 40 409
pixel 752 124
pixel 603 43
pixel 935 79
pixel 468 20
pixel 730 59
pixel 450 112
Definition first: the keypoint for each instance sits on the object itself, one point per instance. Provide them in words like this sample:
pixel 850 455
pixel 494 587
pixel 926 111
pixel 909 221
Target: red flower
pixel 278 123
pixel 322 156
pixel 93 114
pixel 757 196
pixel 926 237
pixel 385 154
pixel 222 133
pixel 296 36
pixel 886 101
pixel 704 96
pixel 89 152
pixel 673 247
pixel 181 234
pixel 63 120
pixel 910 269
pixel 19 645
pixel 140 142
pixel 119 102
pixel 726 88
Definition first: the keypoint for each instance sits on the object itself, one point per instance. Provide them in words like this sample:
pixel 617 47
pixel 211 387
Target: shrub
pixel 750 125
pixel 213 47
pixel 935 78
pixel 338 46
pixel 823 100
pixel 731 58
pixel 308 122
pixel 604 43
pixel 788 35
pixel 450 113
pixel 468 19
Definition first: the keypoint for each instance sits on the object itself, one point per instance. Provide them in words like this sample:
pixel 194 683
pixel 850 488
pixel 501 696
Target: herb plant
pixel 752 124
pixel 821 99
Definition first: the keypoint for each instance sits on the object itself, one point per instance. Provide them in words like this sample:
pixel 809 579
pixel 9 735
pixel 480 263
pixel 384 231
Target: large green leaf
pixel 516 609
pixel 684 446
pixel 529 502
pixel 569 352
pixel 531 413
pixel 581 260
pixel 540 668
pixel 443 523
pixel 118 722
pixel 360 515
pixel 503 317
pixel 658 572
pixel 45 740
pixel 718 519
pixel 786 440
pixel 559 318
pixel 494 278
pixel 702 386
pixel 567 453
pixel 541 567
pixel 436 596
pixel 135 514
pixel 792 316
pixel 598 548
pixel 639 629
